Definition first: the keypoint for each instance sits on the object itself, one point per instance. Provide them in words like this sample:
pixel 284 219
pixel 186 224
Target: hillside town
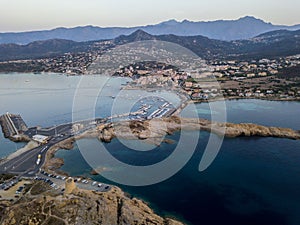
pixel 231 79
pixel 217 78
pixel 70 63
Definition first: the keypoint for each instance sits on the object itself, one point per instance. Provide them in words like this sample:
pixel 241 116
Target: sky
pixel 26 15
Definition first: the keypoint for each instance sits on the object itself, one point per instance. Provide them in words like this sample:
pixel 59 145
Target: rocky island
pixel 157 128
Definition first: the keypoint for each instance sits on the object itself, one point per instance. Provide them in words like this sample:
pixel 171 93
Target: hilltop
pixel 42 205
pixel 242 28
pixel 271 44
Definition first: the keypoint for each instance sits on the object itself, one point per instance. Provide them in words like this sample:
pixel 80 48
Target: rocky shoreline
pixel 77 206
pixel 117 204
pixel 153 132
pixel 156 128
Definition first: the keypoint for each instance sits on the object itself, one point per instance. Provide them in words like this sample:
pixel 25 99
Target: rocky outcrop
pixel 19 138
pixel 153 130
pixel 114 207
pixel 246 129
pixel 53 164
pixel 70 186
pixel 82 207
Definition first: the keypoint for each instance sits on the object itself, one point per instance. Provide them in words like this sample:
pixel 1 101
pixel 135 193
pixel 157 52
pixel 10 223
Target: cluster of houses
pixel 68 63
pixel 236 70
pixel 218 71
pixel 223 71
pixel 207 94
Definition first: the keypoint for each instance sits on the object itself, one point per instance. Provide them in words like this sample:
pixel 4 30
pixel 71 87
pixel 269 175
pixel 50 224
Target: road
pixel 26 163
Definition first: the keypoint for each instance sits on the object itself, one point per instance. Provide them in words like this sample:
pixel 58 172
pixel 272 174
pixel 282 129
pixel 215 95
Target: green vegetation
pixel 4 177
pixel 191 80
pixel 54 221
pixel 39 188
pixel 290 72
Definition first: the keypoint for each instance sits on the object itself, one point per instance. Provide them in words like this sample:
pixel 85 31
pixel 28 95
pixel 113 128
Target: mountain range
pixel 241 29
pixel 271 44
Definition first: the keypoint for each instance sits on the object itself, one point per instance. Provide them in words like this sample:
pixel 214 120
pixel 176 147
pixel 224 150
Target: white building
pixel 40 139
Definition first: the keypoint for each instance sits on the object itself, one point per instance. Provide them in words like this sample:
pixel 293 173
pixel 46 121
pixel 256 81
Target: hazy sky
pixel 21 15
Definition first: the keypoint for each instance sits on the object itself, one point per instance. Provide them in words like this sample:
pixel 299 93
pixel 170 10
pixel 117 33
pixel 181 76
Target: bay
pixel 252 180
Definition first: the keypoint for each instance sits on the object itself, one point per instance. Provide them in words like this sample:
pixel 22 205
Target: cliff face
pixel 81 207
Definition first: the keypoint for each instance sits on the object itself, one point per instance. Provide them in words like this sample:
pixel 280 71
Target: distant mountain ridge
pixel 272 44
pixel 42 49
pixel 243 28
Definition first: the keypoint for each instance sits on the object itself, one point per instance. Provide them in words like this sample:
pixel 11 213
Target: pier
pixel 12 125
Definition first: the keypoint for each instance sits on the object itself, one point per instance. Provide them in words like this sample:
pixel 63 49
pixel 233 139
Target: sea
pixel 252 180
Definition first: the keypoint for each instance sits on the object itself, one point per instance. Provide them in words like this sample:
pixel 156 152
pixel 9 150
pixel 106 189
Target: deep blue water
pixel 252 180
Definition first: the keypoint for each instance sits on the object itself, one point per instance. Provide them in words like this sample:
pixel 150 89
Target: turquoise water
pixel 252 180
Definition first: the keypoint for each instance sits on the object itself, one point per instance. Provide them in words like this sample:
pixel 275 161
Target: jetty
pixel 12 125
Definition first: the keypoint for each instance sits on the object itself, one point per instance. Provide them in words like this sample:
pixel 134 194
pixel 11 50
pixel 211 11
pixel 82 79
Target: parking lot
pixel 58 182
pixel 11 192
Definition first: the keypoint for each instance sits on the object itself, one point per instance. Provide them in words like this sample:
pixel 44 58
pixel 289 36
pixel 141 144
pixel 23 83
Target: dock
pixel 12 125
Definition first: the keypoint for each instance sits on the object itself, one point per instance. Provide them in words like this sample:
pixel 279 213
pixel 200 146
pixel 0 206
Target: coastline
pixel 109 131
pixel 152 129
pixel 68 144
pixel 53 165
pixel 295 99
pixel 152 132
pixel 223 98
pixel 30 145
pixel 291 99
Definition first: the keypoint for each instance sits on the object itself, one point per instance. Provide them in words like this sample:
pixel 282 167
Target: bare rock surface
pixel 80 207
pixel 154 129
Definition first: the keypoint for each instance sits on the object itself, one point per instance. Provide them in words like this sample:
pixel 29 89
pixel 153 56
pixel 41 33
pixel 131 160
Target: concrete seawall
pixel 12 125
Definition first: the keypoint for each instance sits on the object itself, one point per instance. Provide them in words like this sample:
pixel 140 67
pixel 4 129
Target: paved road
pixel 25 163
